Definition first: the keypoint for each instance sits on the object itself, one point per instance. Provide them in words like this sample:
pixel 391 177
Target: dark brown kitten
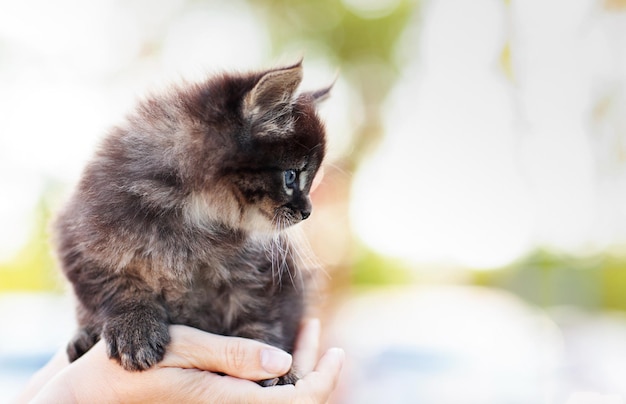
pixel 180 217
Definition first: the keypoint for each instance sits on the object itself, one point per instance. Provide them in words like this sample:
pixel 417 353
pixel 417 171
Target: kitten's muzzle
pixel 300 208
pixel 292 214
pixel 297 215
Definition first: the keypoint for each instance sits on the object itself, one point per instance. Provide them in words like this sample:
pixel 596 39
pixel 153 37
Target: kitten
pixel 181 218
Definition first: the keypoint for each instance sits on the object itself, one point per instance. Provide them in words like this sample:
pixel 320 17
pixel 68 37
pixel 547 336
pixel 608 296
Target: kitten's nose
pixel 305 214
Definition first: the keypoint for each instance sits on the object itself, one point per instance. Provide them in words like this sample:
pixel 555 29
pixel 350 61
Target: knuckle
pixel 236 355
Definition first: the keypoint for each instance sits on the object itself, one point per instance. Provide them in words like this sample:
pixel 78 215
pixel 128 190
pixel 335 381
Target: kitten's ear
pixel 321 94
pixel 274 91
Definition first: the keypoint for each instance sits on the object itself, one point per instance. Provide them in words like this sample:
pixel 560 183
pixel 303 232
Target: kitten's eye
pixel 290 178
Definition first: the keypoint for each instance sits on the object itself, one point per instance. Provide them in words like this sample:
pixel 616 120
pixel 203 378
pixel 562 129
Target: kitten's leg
pixel 136 333
pixel 82 342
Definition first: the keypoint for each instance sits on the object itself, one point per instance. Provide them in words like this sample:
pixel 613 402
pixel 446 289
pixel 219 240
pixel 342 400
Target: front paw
pixel 136 339
pixel 290 377
pixel 82 341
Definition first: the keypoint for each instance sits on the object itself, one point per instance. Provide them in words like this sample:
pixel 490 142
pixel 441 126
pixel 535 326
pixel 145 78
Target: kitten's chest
pixel 225 292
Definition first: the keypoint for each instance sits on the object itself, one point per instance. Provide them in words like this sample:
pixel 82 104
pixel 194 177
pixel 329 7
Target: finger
pixel 239 357
pixel 322 381
pixel 316 387
pixel 58 362
pixel 307 346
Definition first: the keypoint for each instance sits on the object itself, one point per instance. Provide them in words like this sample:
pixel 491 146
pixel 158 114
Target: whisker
pixel 339 169
pixel 286 267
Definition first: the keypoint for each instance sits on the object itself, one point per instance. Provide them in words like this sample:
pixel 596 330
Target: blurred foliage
pixel 548 278
pixel 33 267
pixel 372 269
pixel 543 278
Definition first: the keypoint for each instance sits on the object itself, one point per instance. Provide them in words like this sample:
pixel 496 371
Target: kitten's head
pixel 258 147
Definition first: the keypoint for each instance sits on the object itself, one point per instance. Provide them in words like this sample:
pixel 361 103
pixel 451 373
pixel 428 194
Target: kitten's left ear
pixel 321 94
pixel 273 92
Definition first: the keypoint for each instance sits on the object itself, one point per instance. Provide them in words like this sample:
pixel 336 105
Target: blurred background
pixel 472 217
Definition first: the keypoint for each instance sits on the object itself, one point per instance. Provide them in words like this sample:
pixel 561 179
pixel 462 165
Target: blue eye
pixel 290 178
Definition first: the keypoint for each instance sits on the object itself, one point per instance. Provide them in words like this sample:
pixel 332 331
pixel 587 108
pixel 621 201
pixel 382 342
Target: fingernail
pixel 275 361
pixel 338 353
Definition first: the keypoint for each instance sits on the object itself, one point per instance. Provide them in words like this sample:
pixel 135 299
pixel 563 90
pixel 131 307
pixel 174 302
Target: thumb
pixel 238 357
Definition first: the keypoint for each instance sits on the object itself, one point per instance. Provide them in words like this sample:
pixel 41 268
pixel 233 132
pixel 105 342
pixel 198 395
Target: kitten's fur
pixel 180 217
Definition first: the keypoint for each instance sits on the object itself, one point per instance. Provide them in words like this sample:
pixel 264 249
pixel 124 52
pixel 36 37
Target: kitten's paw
pixel 137 340
pixel 82 342
pixel 290 378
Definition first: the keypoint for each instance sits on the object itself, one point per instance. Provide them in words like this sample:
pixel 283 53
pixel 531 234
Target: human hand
pixel 187 372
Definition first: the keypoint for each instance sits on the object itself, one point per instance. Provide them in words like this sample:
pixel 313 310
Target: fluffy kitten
pixel 180 217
